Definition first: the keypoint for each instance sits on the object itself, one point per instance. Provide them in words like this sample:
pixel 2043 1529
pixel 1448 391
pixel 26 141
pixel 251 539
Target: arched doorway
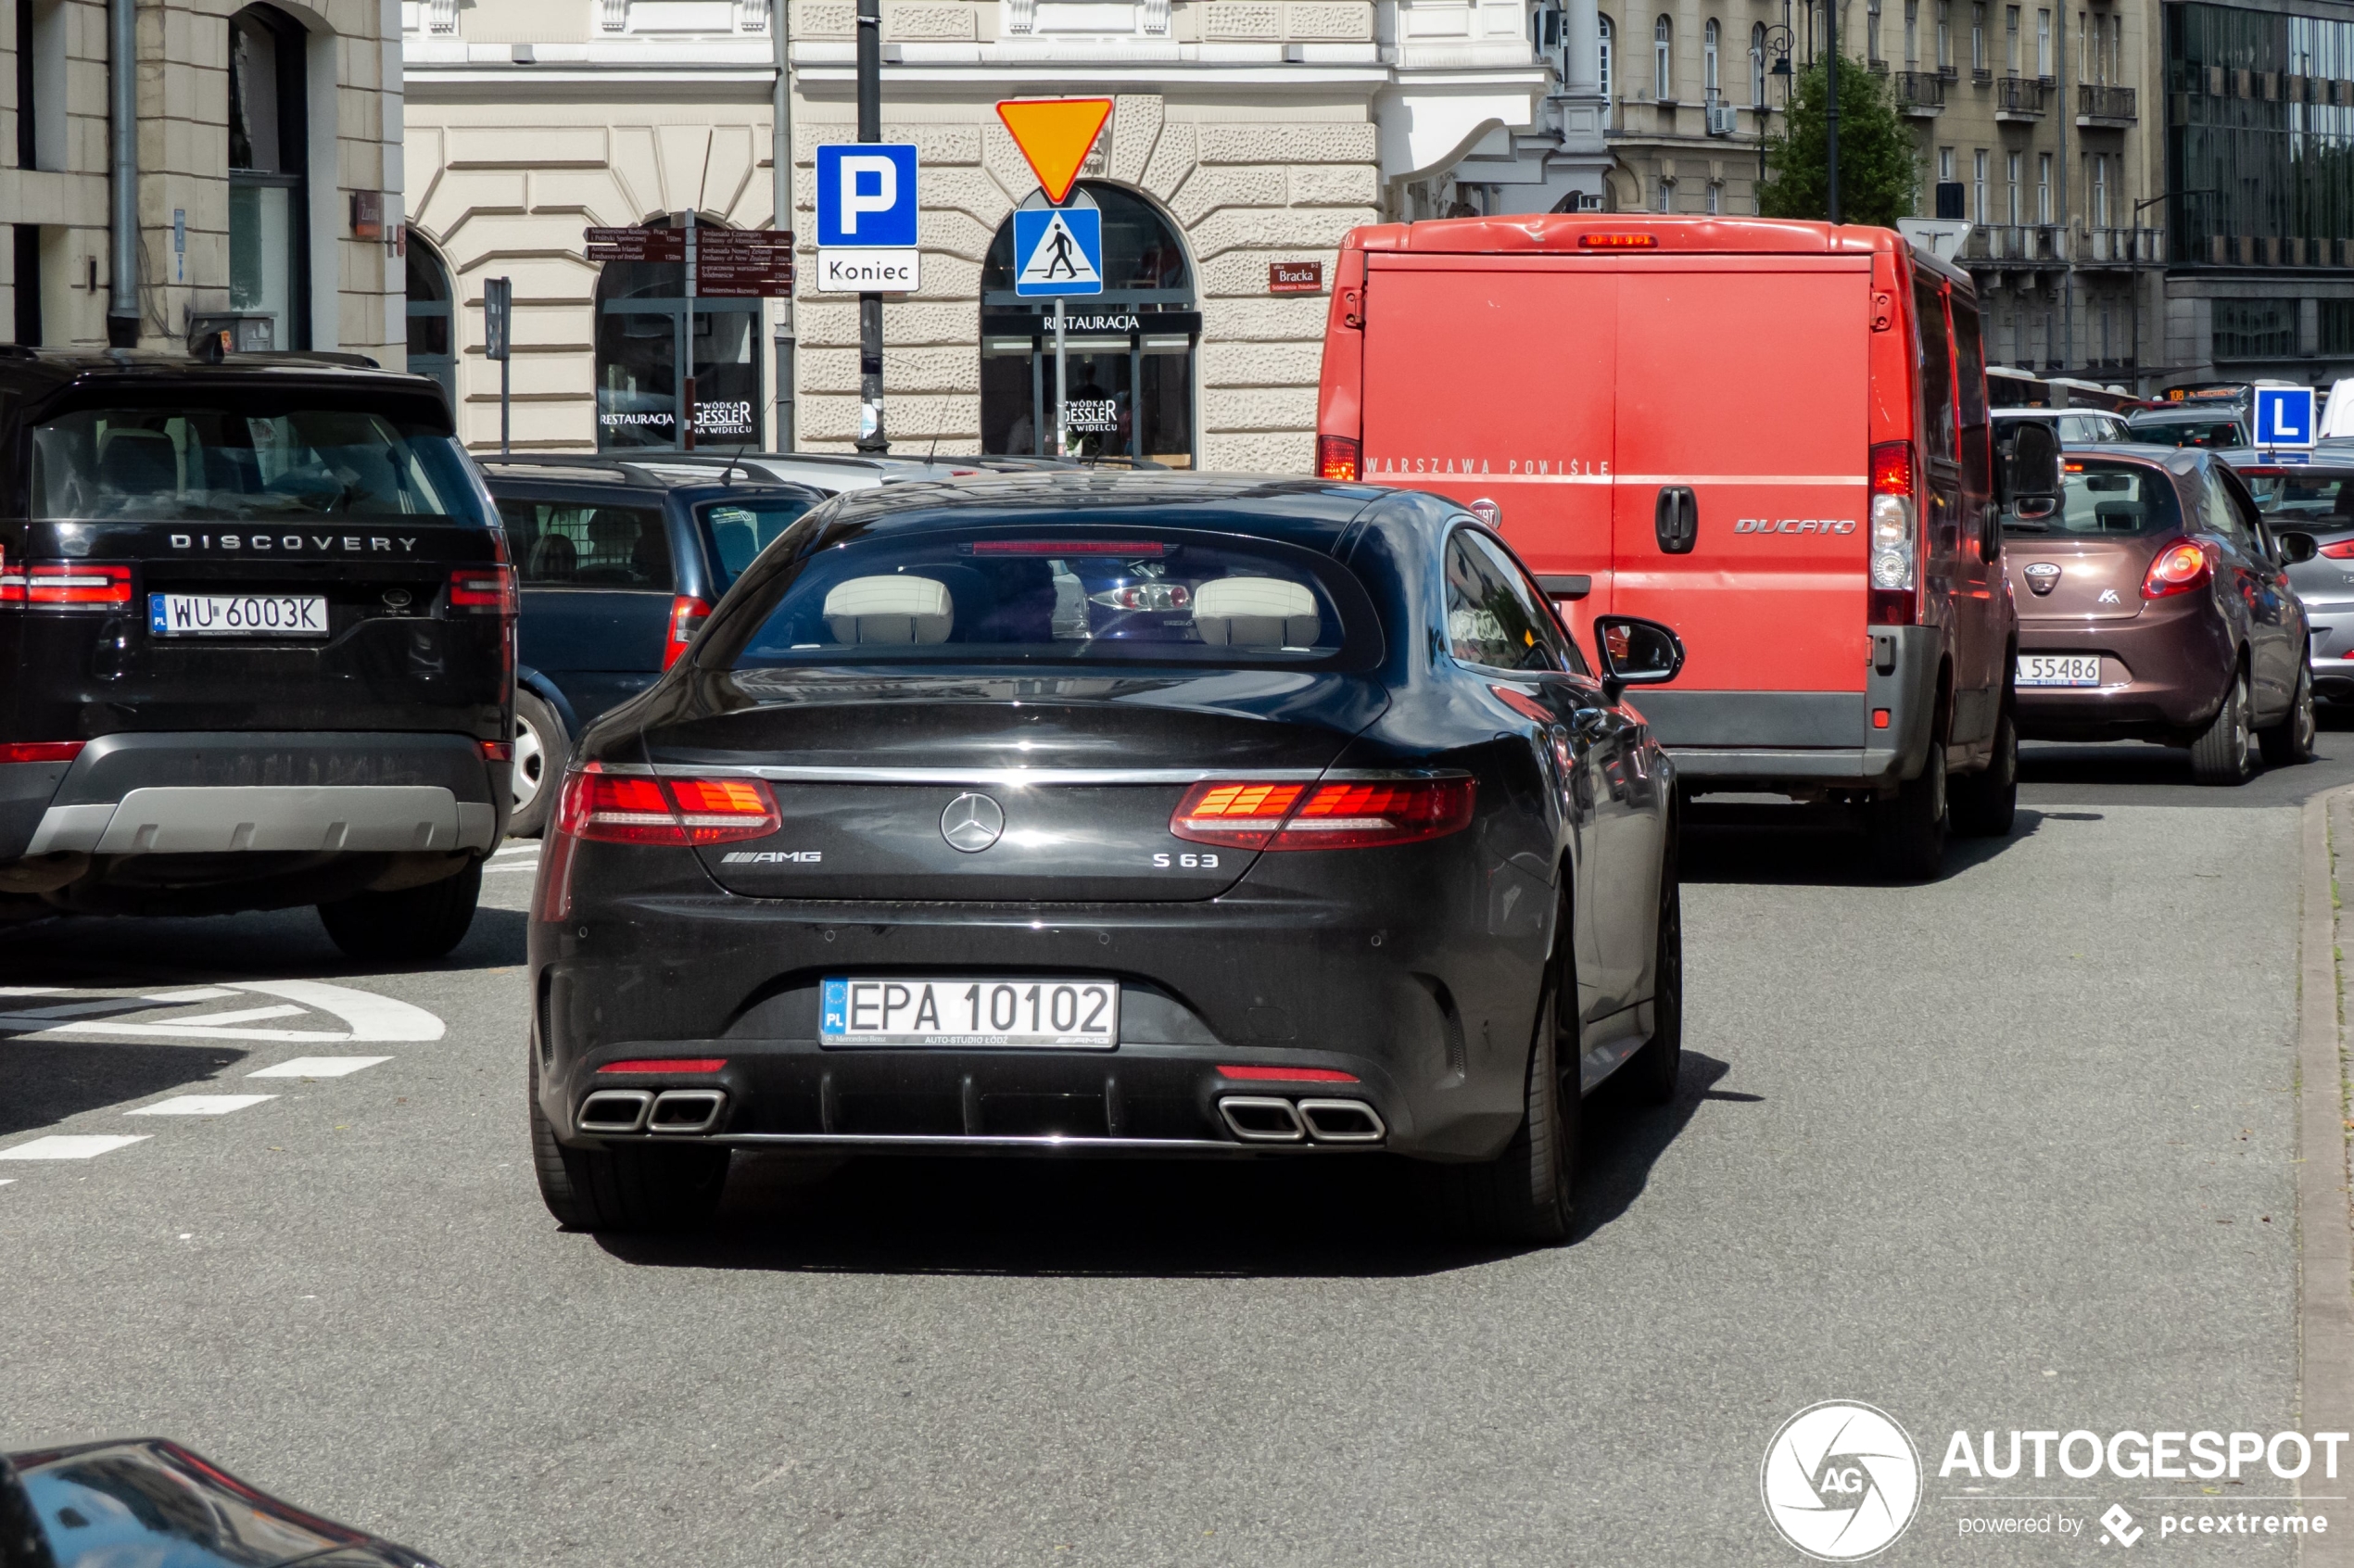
pixel 431 350
pixel 1131 349
pixel 649 344
pixel 269 174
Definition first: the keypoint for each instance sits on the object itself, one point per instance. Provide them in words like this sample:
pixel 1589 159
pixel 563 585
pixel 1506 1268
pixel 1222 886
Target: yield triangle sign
pixel 1061 251
pixel 1055 135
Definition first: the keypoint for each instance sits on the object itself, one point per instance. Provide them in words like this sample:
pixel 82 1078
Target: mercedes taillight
pixel 1340 814
pixel 1895 537
pixel 637 808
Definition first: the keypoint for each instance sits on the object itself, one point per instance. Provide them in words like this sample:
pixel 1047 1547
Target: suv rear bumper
pixel 305 791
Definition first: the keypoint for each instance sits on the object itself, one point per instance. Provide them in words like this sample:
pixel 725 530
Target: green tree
pixel 1878 172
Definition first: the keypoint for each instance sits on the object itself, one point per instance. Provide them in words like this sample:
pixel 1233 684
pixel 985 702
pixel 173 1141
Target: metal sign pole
pixel 1062 385
pixel 871 437
pixel 687 399
pixel 498 331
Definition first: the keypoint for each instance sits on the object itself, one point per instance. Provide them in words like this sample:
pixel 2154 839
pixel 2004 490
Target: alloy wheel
pixel 531 764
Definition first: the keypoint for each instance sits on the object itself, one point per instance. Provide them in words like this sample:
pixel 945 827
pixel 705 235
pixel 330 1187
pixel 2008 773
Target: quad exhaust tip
pixel 686 1110
pixel 1256 1119
pixel 615 1111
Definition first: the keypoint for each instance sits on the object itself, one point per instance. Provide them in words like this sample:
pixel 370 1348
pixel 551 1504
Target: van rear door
pixel 1745 380
pixel 1491 379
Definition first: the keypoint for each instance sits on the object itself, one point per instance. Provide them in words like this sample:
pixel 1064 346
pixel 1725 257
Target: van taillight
pixel 75 586
pixel 1894 543
pixel 1618 242
pixel 1338 457
pixel 1250 815
pixel 686 616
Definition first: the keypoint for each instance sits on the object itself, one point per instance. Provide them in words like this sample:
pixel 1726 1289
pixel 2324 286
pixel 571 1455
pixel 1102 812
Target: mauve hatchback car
pixel 2155 605
pixel 1112 815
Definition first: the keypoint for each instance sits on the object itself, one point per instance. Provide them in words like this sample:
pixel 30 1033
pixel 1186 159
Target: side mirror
pixel 1633 652
pixel 2027 469
pixel 2299 547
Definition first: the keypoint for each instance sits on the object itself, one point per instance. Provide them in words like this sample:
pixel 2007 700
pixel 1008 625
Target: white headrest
pixel 1256 613
pixel 889 609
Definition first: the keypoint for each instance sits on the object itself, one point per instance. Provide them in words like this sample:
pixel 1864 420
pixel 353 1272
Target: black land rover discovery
pixel 259 626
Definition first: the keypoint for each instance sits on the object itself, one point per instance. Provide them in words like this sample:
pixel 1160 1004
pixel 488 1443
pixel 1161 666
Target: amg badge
pixel 772 857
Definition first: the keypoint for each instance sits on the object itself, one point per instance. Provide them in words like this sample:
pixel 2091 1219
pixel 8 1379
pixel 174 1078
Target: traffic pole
pixel 1830 113
pixel 1062 385
pixel 687 399
pixel 871 438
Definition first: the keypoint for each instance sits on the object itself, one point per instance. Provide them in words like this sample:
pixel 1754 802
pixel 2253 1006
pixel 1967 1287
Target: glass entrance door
pixel 1133 395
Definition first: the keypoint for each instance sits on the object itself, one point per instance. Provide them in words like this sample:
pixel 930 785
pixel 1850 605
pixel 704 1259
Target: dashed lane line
pixel 73 1146
pixel 200 1105
pixel 319 1066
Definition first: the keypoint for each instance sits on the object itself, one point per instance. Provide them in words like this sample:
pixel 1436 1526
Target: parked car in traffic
pixel 2191 424
pixel 2316 498
pixel 148 1501
pixel 618 562
pixel 257 619
pixel 1112 813
pixel 1851 506
pixel 2155 604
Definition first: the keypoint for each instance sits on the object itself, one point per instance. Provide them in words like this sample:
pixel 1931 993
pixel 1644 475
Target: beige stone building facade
pixel 1245 134
pixel 264 179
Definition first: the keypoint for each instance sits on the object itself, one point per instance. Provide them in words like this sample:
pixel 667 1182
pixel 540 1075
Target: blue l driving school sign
pixel 866 195
pixel 2283 416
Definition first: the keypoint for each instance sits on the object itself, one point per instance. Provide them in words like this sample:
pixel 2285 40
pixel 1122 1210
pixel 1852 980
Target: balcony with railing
pixel 2119 248
pixel 1920 93
pixel 2100 107
pixel 2019 244
pixel 2018 99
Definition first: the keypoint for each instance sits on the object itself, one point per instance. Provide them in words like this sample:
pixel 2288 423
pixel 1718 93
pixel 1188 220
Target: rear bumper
pixel 303 792
pixel 2166 672
pixel 1769 739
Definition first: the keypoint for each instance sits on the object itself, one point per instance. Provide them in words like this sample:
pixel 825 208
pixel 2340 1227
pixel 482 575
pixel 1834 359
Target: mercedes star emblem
pixel 972 822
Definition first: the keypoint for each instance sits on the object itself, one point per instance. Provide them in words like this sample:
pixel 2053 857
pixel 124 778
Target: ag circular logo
pixel 1841 1481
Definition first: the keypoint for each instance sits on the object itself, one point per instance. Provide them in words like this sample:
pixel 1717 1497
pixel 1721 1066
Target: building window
pixel 648 343
pixel 1715 196
pixel 1665 194
pixel 2010 38
pixel 2337 327
pixel 1978 186
pixel 2100 190
pixel 1142 366
pixel 2044 43
pixel 269 163
pixel 1945 35
pixel 1663 60
pixel 1978 37
pixel 2255 329
pixel 1945 166
pixel 1602 55
pixel 1709 39
pixel 1757 63
pixel 431 320
pixel 1912 33
pixel 2015 193
pixel 2043 188
pixel 1871 33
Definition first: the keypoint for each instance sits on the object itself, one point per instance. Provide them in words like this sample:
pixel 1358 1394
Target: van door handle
pixel 1675 519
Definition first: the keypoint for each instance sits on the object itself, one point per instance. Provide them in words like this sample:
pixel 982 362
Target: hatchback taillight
pixel 68 584
pixel 2342 551
pixel 1338 457
pixel 483 591
pixel 1894 542
pixel 1250 814
pixel 686 616
pixel 2179 568
pixel 637 808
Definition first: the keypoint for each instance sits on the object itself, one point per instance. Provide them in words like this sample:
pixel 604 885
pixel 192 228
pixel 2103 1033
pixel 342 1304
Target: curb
pixel 2324 1226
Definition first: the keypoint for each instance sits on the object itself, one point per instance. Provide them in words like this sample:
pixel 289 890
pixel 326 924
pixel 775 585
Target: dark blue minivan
pixel 618 562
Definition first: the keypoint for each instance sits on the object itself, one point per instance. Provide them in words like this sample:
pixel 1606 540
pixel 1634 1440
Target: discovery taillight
pixel 1338 457
pixel 71 584
pixel 2179 568
pixel 39 751
pixel 686 616
pixel 1351 815
pixel 636 808
pixel 483 591
pixel 1894 542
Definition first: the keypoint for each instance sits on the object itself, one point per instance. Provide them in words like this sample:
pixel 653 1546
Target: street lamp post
pixel 2163 196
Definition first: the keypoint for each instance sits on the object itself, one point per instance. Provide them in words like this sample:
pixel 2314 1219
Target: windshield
pixel 2110 499
pixel 246 461
pixel 1060 596
pixel 2313 499
pixel 2187 432
pixel 741 529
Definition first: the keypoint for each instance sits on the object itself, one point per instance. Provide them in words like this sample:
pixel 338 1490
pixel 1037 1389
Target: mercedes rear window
pixel 2107 500
pixel 1045 595
pixel 2187 432
pixel 245 457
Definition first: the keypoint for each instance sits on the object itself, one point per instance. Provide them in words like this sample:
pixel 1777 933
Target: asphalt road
pixel 2009 1150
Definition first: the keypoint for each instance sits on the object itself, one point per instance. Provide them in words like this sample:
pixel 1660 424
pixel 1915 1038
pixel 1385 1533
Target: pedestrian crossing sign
pixel 1058 250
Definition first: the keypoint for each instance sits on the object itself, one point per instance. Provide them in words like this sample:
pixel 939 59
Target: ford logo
pixel 2042 577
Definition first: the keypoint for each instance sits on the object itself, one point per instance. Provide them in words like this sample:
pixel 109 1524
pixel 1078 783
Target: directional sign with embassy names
pixel 1058 250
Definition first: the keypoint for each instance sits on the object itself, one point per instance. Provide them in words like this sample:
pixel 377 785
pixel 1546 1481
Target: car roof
pixel 1312 514
pixel 38 374
pixel 689 487
pixel 2180 460
pixel 2181 414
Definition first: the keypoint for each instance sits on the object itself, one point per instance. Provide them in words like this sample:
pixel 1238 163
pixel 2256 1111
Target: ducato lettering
pixel 1794 526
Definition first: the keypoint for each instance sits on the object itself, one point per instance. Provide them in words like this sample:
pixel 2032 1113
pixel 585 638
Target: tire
pixel 651 1189
pixel 1652 1073
pixel 413 923
pixel 541 747
pixel 1908 829
pixel 2291 740
pixel 2222 754
pixel 1984 805
pixel 1527 1194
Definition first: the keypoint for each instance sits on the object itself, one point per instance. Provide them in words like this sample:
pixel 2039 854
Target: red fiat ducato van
pixel 1771 435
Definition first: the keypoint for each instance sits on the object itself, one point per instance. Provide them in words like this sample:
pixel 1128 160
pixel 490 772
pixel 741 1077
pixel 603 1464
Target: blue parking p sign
pixel 2283 416
pixel 866 195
